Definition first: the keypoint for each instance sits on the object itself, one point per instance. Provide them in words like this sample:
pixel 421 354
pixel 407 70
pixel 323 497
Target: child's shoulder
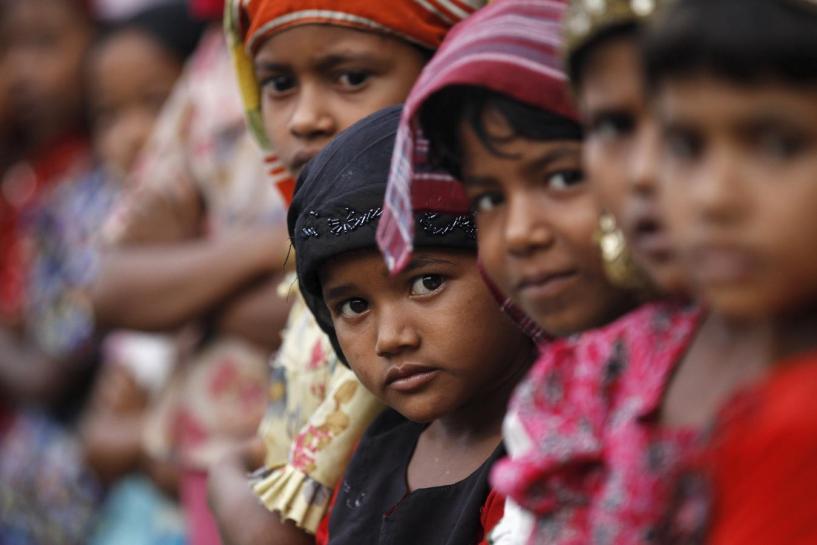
pixel 654 329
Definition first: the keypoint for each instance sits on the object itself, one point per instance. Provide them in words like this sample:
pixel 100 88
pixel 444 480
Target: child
pixel 353 59
pixel 588 457
pixel 429 342
pixel 133 68
pixel 735 87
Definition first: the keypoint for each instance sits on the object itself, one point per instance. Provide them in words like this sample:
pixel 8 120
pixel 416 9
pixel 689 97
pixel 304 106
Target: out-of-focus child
pixel 735 90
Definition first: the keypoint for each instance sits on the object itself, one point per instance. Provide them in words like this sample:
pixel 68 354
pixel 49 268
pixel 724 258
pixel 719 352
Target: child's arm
pixel 241 517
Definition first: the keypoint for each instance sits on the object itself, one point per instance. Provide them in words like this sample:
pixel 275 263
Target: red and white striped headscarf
pixel 511 47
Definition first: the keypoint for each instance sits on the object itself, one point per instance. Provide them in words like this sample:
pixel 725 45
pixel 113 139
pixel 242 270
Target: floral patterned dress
pixel 588 460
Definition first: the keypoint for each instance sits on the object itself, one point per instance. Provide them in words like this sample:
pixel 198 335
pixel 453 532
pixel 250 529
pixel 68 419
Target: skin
pixel 46 44
pixel 131 76
pixel 536 216
pixel 316 80
pixel 621 156
pixel 386 324
pixel 740 174
pixel 624 163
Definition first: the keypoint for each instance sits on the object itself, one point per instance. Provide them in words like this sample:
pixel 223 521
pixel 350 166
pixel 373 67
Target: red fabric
pixel 764 463
pixel 586 455
pixel 492 512
pixel 201 525
pixel 424 23
pixel 23 186
pixel 207 10
pixel 322 535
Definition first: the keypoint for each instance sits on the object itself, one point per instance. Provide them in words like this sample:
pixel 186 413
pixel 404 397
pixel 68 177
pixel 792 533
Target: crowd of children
pixel 470 272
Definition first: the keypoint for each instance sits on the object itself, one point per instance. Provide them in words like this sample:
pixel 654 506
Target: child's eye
pixel 426 284
pixel 279 84
pixel 779 145
pixel 683 145
pixel 353 79
pixel 612 126
pixel 485 202
pixel 565 179
pixel 353 307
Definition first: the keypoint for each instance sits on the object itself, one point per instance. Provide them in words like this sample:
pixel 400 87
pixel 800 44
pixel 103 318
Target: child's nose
pixel 525 232
pixel 395 333
pixel 311 117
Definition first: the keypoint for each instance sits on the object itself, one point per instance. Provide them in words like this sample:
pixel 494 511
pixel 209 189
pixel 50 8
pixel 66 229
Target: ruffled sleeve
pixel 299 487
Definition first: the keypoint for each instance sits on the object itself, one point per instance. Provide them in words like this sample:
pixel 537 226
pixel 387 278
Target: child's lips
pixel 545 284
pixel 649 238
pixel 409 377
pixel 722 263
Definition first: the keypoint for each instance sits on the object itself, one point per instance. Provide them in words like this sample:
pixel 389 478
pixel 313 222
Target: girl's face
pixel 740 177
pixel 131 77
pixel 46 42
pixel 620 155
pixel 428 341
pixel 317 80
pixel 536 217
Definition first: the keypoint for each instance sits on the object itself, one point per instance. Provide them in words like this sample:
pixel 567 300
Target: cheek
pixel 605 165
pixel 577 225
pixel 676 209
pixel 492 250
pixel 358 347
pixel 275 114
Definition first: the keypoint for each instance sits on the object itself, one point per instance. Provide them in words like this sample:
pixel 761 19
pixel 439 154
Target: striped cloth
pixel 512 47
pixel 249 22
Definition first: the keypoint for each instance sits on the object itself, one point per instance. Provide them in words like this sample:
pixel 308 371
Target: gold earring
pixel 619 266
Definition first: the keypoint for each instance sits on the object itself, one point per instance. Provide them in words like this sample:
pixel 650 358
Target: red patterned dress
pixel 588 459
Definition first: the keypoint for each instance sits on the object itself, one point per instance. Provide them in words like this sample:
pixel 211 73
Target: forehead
pixel 710 100
pixel 611 73
pixel 309 44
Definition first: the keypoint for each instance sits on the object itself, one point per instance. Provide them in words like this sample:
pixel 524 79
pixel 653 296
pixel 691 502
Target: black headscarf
pixel 338 202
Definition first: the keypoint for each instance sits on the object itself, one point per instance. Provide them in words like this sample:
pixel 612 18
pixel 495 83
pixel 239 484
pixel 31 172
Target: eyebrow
pixel 342 291
pixel 321 64
pixel 423 261
pixel 333 60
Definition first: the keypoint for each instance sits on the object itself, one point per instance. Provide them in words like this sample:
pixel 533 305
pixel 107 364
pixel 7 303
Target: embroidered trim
pixel 437 229
pixel 353 220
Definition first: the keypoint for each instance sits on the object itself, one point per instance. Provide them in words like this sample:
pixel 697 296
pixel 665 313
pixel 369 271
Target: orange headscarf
pixel 248 23
pixel 424 22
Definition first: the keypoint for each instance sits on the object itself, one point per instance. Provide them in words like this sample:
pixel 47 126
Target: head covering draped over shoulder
pixel 511 47
pixel 249 22
pixel 338 202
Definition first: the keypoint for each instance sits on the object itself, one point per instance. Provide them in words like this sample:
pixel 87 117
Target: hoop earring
pixel 619 266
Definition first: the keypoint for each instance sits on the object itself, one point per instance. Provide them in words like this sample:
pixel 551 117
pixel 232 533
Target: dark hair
pixel 577 60
pixel 744 41
pixel 442 114
pixel 169 24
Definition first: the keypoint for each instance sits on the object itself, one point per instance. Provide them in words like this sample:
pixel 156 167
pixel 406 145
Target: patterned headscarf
pixel 511 47
pixel 249 22
pixel 338 203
